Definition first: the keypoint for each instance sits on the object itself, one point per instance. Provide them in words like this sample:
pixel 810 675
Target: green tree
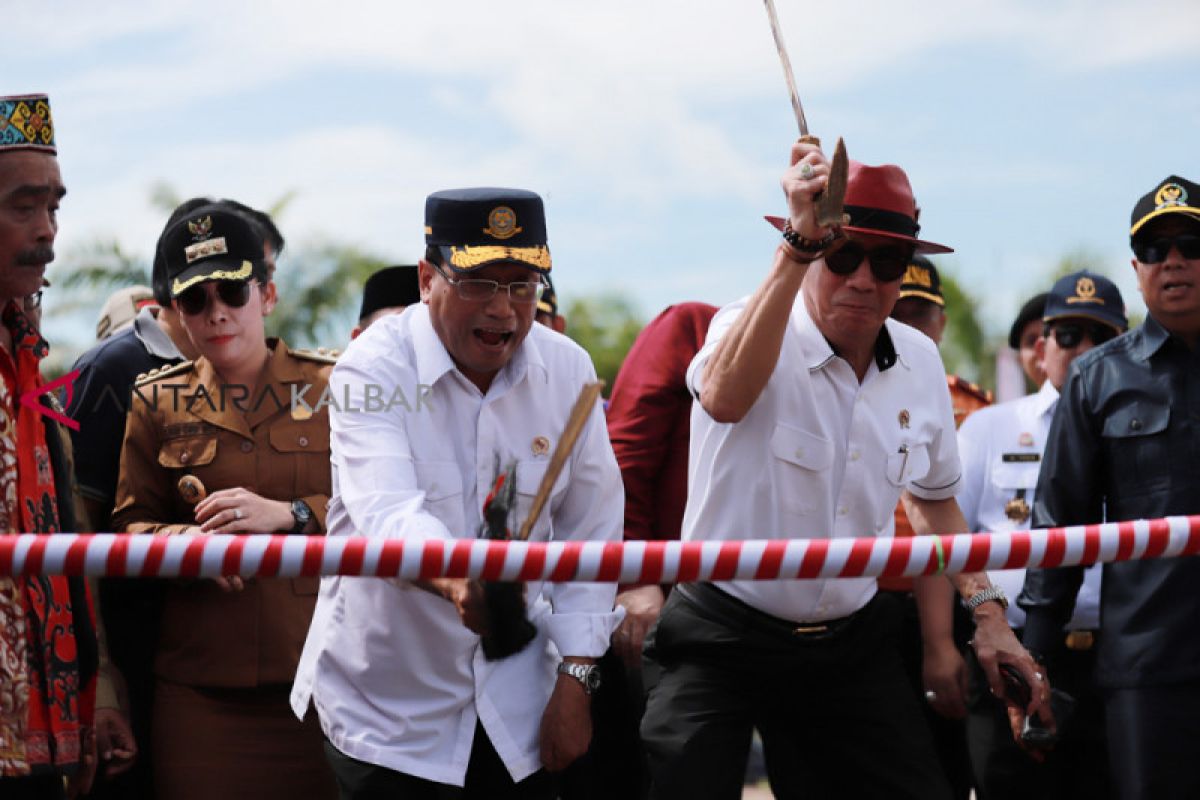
pixel 605 325
pixel 966 351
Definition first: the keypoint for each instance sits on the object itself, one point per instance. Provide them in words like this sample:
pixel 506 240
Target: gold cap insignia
pixel 904 417
pixel 1017 509
pixel 209 247
pixel 1025 439
pixel 502 223
pixel 918 276
pixel 1171 194
pixel 1085 292
pixel 201 228
pixel 540 446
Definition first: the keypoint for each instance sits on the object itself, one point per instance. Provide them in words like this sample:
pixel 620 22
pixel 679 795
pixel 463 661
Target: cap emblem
pixel 918 275
pixel 1085 292
pixel 502 223
pixel 1171 194
pixel 200 229
pixel 210 247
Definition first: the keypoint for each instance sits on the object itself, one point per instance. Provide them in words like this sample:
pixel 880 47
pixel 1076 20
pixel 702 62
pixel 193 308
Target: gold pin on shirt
pixel 540 446
pixel 904 417
pixel 1017 509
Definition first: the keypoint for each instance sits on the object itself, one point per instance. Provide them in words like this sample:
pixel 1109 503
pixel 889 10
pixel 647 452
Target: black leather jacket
pixel 1125 444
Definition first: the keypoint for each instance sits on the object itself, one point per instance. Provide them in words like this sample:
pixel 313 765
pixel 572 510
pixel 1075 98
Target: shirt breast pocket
pixel 302 446
pixel 801 462
pixel 441 483
pixel 1138 444
pixel 910 463
pixel 530 474
pixel 188 452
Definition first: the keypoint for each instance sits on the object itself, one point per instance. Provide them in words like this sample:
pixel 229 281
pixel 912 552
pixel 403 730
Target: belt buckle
pixel 809 630
pixel 1080 640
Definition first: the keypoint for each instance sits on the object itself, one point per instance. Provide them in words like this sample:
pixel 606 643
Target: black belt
pixel 724 606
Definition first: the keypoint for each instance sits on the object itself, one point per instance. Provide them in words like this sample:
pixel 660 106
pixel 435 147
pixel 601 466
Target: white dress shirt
pixel 820 455
pixel 1001 448
pixel 396 678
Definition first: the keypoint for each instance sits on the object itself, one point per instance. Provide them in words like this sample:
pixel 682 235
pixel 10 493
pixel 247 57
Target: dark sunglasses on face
pixel 233 294
pixel 887 263
pixel 1069 334
pixel 1155 251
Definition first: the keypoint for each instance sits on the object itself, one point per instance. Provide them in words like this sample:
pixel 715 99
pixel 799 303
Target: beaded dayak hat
pixel 26 123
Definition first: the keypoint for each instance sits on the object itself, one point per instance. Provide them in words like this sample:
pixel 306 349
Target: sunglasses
pixel 1069 334
pixel 233 294
pixel 887 263
pixel 1155 251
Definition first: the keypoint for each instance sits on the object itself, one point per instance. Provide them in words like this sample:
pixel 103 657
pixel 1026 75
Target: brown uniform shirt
pixel 183 421
pixel 966 398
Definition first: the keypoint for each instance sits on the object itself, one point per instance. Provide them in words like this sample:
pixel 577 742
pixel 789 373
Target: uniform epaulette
pixel 970 388
pixel 163 372
pixel 322 355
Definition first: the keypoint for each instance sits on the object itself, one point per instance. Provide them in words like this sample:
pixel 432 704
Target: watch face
pixel 592 682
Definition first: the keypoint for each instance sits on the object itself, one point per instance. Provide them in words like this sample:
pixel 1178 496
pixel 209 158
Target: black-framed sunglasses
pixel 887 263
pixel 1154 251
pixel 1068 335
pixel 194 300
pixel 34 300
pixel 478 290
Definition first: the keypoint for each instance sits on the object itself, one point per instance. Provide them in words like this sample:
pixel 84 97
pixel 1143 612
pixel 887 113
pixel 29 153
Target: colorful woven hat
pixel 26 124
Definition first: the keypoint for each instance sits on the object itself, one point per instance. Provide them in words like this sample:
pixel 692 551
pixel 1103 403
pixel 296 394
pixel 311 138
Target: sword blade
pixel 787 67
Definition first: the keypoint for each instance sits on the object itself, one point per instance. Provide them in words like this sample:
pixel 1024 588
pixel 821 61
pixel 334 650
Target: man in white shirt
pixel 815 411
pixel 409 704
pixel 1001 448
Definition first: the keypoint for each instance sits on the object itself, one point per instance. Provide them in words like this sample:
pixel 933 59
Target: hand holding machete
pixel 823 183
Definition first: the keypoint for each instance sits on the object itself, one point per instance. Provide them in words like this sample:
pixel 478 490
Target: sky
pixel 656 131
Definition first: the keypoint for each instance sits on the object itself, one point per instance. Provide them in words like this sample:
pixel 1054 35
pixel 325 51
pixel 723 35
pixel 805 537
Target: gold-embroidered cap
pixel 921 280
pixel 212 243
pixel 480 226
pixel 26 123
pixel 1088 295
pixel 1173 195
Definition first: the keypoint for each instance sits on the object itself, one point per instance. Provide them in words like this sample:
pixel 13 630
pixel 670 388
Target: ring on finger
pixel 237 513
pixel 1039 676
pixel 931 696
pixel 806 170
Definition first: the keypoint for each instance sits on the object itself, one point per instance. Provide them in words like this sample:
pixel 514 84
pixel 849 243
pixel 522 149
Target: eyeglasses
pixel 233 294
pixel 1155 251
pixel 478 290
pixel 1068 335
pixel 34 300
pixel 887 263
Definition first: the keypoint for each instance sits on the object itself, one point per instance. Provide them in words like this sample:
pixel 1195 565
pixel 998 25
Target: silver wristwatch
pixel 587 674
pixel 985 596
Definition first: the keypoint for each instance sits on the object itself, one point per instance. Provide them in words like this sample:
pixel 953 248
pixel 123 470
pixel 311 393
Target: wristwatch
pixel 587 674
pixel 302 515
pixel 984 596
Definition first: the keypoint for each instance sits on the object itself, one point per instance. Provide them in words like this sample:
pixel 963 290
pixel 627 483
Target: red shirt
pixel 649 420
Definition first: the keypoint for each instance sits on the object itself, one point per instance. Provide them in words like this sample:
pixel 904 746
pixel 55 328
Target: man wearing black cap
pixel 815 413
pixel 388 291
pixel 1024 335
pixel 1001 449
pixel 547 309
pixel 48 645
pixel 1123 446
pixel 408 700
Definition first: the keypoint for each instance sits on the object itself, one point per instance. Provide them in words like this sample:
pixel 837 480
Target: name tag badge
pixel 1021 458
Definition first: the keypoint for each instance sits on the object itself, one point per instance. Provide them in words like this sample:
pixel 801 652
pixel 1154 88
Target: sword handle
pixel 808 138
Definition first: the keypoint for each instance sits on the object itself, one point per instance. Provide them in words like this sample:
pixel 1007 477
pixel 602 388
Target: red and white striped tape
pixel 628 562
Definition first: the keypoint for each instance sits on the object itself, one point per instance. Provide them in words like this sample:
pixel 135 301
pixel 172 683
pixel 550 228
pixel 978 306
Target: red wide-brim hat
pixel 880 202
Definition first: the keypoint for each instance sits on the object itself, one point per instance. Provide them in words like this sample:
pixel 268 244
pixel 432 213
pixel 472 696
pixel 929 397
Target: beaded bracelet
pixel 807 245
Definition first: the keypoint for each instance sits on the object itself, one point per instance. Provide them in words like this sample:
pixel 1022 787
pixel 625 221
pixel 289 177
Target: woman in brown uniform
pixel 235 442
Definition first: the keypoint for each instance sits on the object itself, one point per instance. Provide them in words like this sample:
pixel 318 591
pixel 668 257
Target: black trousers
pixel 834 710
pixel 949 735
pixel 614 767
pixel 487 779
pixel 1154 741
pixel 44 787
pixel 1077 768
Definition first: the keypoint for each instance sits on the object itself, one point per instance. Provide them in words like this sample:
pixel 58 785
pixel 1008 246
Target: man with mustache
pixel 410 703
pixel 815 413
pixel 1123 446
pixel 48 647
